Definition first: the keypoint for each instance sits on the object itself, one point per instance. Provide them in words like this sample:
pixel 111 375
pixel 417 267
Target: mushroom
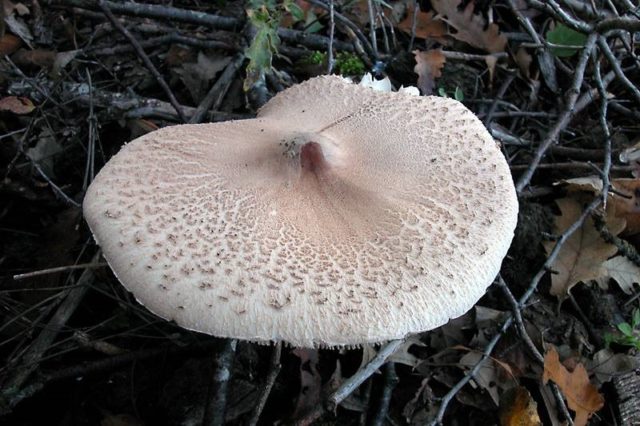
pixel 339 216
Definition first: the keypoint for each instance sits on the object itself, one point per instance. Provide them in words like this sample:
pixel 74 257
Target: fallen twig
pixel 214 97
pixel 352 383
pixel 143 56
pixel 10 393
pixel 155 11
pixel 117 104
pixel 58 269
pixel 533 285
pixel 379 416
pixel 274 369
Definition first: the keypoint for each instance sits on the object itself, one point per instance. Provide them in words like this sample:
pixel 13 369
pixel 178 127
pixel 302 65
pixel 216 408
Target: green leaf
pixel 625 329
pixel 442 92
pixel 458 95
pixel 635 321
pixel 312 25
pixel 296 12
pixel 608 339
pixel 260 52
pixel 565 36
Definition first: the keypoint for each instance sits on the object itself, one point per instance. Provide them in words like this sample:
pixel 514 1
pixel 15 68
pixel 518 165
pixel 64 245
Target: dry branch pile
pixel 555 82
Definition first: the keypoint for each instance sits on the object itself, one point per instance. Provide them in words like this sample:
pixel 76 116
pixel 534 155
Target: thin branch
pixel 372 28
pixel 143 56
pixel 274 369
pixel 156 11
pixel 216 94
pixel 348 24
pixel 11 394
pixel 615 65
pixel 414 24
pixel 390 382
pixel 353 382
pixel 573 105
pixel 332 30
pixel 58 269
pixel 533 285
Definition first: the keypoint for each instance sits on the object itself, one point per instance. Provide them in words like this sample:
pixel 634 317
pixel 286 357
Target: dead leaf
pixel 631 156
pixel 487 317
pixel 9 44
pixel 422 406
pixel 628 207
pixel 16 105
pixel 606 365
pixel 37 57
pixel 626 199
pixel 178 55
pixel 310 381
pixel 45 151
pixel 426 26
pixel 196 76
pixel 582 397
pixel 469 26
pixel 583 254
pixel 15 23
pixel 550 405
pixel 11 7
pixel 517 408
pixel 493 374
pixel 623 271
pixel 524 60
pixel 140 126
pixel 61 60
pixel 400 356
pixel 491 62
pixel 588 184
pixel 428 67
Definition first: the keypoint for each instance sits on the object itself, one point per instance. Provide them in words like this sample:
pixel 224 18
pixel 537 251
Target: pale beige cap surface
pixel 339 216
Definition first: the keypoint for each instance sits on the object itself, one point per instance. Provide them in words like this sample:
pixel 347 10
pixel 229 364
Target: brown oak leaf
pixel 470 28
pixel 518 408
pixel 426 26
pixel 428 67
pixel 582 256
pixel 16 105
pixel 625 197
pixel 582 396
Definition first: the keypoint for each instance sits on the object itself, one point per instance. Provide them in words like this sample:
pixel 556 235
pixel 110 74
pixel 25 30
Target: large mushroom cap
pixel 339 216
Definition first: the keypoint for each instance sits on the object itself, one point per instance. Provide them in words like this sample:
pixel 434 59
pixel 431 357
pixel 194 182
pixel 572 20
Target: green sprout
pixel 629 334
pixel 458 94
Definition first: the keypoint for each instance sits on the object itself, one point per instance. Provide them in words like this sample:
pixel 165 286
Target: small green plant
pixel 566 41
pixel 458 94
pixel 349 64
pixel 265 16
pixel 629 333
pixel 345 63
pixel 316 58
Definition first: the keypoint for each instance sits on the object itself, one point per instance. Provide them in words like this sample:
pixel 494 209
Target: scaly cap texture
pixel 339 216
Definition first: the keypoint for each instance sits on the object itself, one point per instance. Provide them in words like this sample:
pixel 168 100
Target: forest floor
pixel 555 340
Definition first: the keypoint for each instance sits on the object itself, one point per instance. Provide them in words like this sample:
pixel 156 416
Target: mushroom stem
pixel 215 410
